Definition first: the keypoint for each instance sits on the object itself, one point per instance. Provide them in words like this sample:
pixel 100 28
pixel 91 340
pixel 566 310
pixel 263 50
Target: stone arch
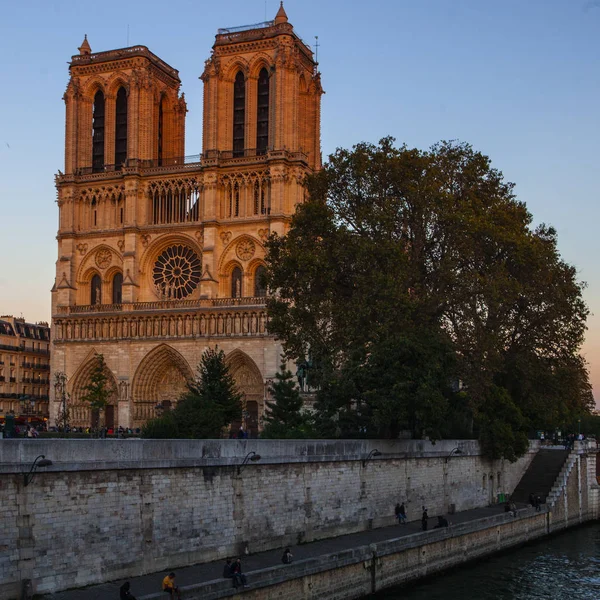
pixel 259 62
pixel 81 413
pixel 229 250
pixel 116 81
pixel 250 383
pixel 238 64
pixel 161 377
pixel 94 85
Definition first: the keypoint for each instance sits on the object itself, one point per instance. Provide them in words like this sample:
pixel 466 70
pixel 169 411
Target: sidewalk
pixel 151 584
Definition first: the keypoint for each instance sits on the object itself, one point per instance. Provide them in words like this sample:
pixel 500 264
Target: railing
pixel 162 305
pixel 124 53
pixel 7 347
pixel 262 25
pixel 193 161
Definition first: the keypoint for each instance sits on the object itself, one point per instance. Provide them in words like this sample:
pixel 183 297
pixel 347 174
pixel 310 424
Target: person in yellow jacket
pixel 169 586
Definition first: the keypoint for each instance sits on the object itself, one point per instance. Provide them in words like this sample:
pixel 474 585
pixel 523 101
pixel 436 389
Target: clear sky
pixel 518 79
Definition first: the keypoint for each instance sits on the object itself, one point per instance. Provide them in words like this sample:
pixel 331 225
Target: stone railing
pixel 162 305
pixel 215 322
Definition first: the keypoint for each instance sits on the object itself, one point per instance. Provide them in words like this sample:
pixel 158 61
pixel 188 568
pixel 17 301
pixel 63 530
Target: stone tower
pixel 159 254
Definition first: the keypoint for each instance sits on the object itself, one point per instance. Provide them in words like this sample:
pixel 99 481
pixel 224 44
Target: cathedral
pixel 160 255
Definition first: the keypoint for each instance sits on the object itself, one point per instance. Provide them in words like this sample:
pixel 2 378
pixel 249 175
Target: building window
pixel 239 114
pixel 117 289
pixel 96 291
pixel 121 129
pixel 236 283
pixel 236 199
pixel 98 133
pixel 260 287
pixel 262 117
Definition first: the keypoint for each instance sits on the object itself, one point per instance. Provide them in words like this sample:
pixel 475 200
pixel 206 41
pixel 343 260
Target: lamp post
pixel 371 455
pixel 44 462
pixel 251 456
pixel 455 452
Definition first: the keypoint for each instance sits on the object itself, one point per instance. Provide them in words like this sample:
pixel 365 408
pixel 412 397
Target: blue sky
pixel 517 79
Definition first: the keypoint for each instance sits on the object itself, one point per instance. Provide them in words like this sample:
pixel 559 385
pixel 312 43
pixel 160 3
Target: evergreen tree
pixel 284 417
pixel 97 391
pixel 211 402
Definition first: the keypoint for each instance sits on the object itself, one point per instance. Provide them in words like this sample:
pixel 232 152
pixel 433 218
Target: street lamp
pixel 28 477
pixel 250 456
pixel 455 451
pixel 372 454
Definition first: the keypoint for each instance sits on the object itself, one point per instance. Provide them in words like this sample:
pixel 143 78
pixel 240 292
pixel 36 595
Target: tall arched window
pixel 236 283
pixel 96 291
pixel 236 200
pixel 98 133
pixel 262 117
pixel 121 128
pixel 117 289
pixel 239 114
pixel 161 121
pixel 260 284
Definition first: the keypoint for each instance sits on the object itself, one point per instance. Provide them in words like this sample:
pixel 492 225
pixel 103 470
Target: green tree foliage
pixel 98 391
pixel 284 417
pixel 161 428
pixel 210 403
pixel 408 271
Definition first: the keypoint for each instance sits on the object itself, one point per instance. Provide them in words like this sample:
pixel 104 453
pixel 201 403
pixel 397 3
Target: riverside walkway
pixel 148 587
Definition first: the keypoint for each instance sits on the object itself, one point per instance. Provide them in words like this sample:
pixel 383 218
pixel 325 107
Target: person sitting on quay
pixel 170 588
pixel 228 569
pixel 442 522
pixel 124 592
pixel 287 557
pixel 238 576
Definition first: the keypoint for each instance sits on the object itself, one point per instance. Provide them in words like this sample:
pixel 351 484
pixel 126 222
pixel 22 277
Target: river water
pixel 562 567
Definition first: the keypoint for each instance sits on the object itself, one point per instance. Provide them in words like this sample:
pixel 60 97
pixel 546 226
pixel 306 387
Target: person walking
pixel 402 515
pixel 170 588
pixel 424 519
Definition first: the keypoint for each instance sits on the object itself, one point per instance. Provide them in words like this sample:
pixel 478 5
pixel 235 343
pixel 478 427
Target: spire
pixel 281 16
pixel 85 46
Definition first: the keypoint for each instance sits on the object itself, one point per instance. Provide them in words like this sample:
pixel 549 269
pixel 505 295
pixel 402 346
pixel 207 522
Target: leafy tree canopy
pixel 409 271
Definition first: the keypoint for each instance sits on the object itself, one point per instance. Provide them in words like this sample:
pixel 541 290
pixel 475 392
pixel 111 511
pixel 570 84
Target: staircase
pixel 541 475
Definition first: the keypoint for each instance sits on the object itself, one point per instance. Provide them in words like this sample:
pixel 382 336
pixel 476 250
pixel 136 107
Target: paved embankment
pixel 265 568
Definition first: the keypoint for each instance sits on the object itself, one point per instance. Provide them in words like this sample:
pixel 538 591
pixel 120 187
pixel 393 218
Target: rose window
pixel 177 272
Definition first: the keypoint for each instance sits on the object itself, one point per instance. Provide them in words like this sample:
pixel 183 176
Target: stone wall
pixel 107 509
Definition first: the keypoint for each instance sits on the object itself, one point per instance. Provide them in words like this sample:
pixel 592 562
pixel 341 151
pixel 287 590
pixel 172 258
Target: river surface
pixel 562 567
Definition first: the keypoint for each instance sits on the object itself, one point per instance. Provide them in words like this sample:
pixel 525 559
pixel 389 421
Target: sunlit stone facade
pixel 160 254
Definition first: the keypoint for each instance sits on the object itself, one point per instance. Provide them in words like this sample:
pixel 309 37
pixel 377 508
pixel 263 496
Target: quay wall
pixel 107 509
pixel 365 570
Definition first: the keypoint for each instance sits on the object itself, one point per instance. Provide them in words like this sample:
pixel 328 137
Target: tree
pixel 285 418
pixel 98 391
pixel 211 402
pixel 408 271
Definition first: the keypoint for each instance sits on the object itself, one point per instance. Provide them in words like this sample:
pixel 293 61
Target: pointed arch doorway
pixel 249 381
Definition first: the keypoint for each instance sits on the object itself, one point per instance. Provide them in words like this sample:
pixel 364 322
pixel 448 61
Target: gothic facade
pixel 160 254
